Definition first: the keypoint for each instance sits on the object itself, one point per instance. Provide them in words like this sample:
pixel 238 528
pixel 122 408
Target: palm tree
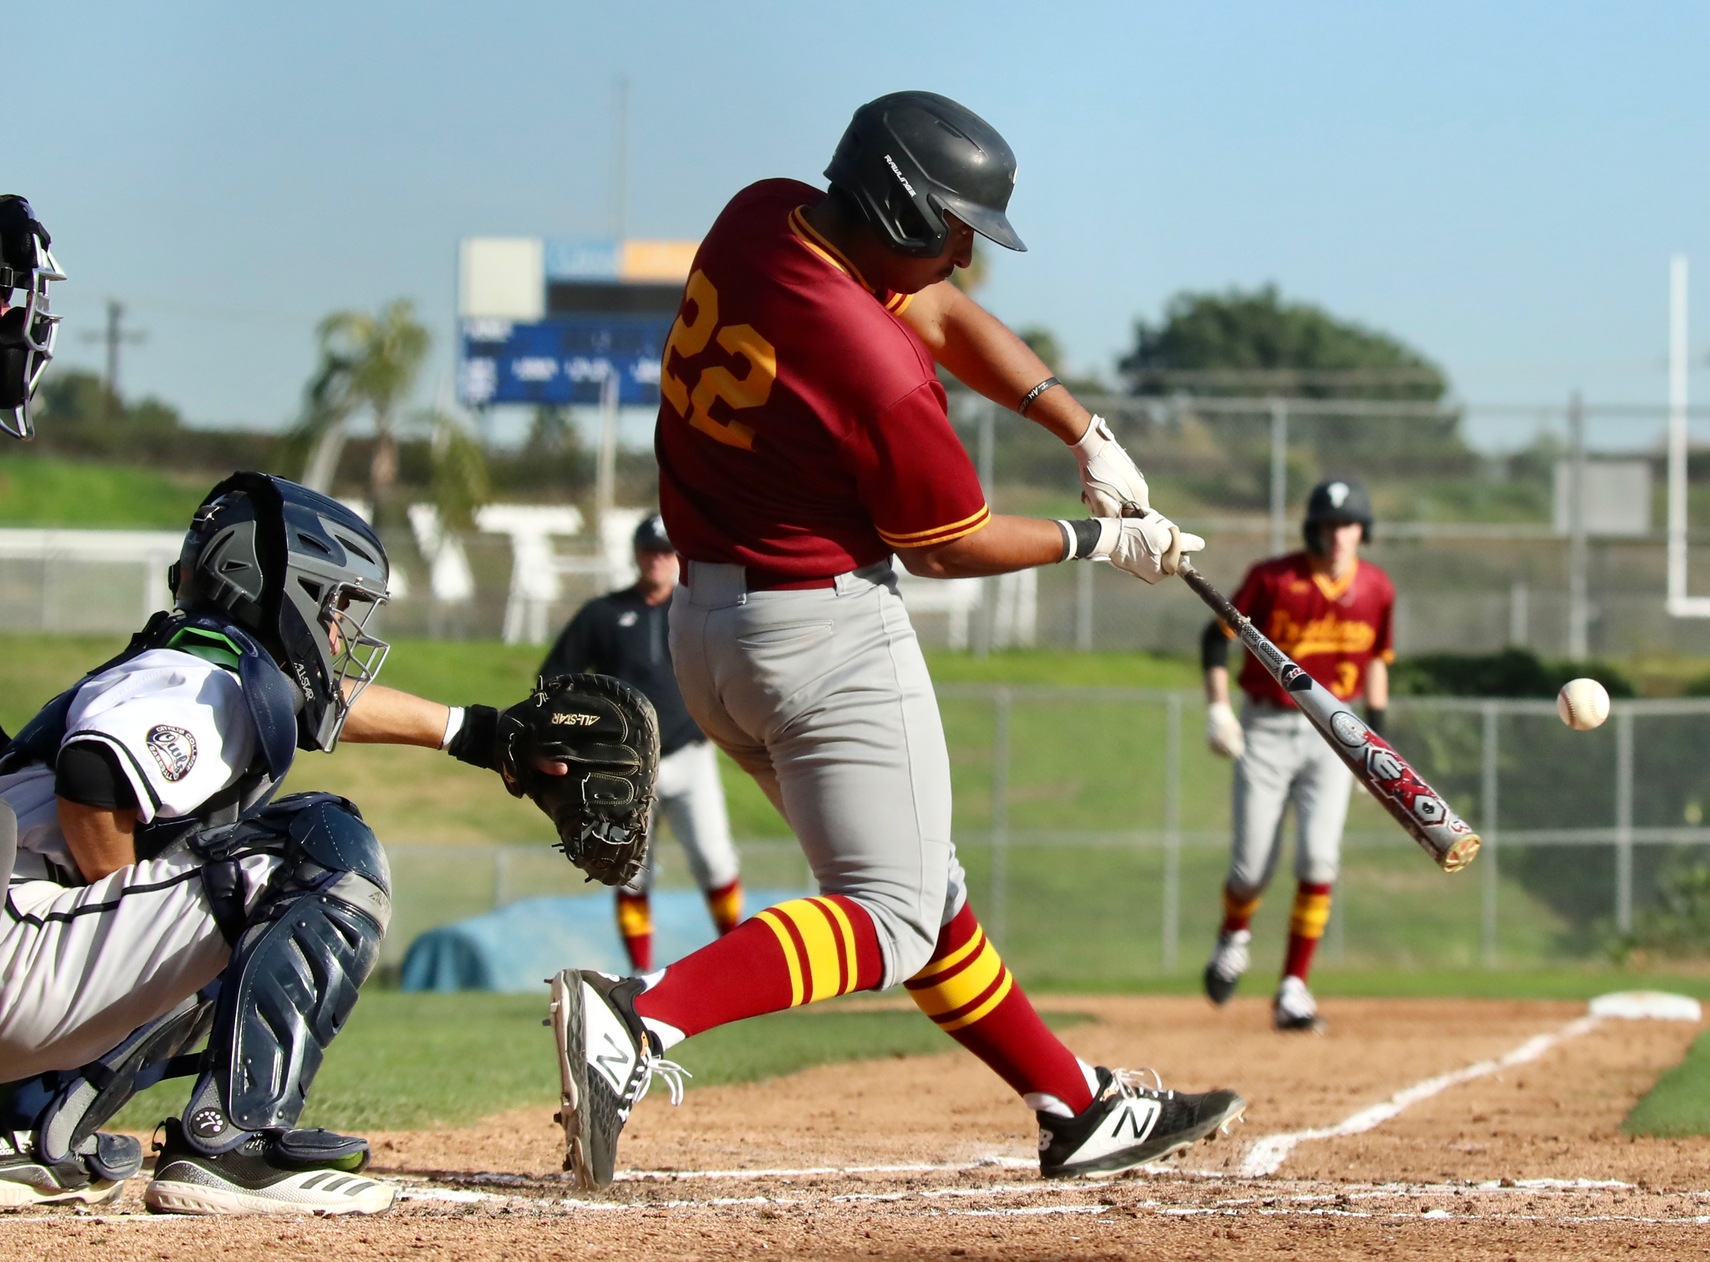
pixel 369 364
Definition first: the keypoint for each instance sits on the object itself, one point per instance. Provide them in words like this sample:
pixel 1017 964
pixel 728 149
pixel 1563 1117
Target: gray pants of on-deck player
pixel 823 697
pixel 1286 760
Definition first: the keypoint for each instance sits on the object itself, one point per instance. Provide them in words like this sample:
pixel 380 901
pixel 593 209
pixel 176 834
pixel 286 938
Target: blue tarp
pixel 514 947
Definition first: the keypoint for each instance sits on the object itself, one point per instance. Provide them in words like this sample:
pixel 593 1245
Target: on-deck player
pixel 157 899
pixel 1332 613
pixel 802 440
pixel 624 634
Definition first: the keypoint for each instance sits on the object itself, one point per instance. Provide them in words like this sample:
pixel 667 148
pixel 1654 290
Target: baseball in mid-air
pixel 1583 704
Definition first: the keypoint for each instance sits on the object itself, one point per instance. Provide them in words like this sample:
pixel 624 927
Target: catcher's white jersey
pixel 182 732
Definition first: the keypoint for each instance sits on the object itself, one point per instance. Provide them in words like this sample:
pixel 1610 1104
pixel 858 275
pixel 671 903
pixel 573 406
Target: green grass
pixel 415 1061
pixel 44 491
pixel 1680 1102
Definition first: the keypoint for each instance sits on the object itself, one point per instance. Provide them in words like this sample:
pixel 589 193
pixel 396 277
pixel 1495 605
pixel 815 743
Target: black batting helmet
pixel 907 158
pixel 1337 500
pixel 650 535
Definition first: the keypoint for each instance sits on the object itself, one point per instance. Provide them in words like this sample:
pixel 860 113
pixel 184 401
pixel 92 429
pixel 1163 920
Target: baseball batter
pixel 158 897
pixel 802 441
pixel 624 634
pixel 1332 613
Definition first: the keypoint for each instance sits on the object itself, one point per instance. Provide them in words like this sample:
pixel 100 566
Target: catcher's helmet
pixel 27 332
pixel 907 158
pixel 650 535
pixel 1338 500
pixel 289 564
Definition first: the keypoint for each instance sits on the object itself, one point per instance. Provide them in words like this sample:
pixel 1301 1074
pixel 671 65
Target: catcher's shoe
pixel 1128 1125
pixel 606 1062
pixel 92 1177
pixel 1228 962
pixel 271 1172
pixel 1294 1010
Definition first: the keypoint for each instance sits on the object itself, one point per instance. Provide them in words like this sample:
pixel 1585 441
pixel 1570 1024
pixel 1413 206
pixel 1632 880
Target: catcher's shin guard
pixel 309 944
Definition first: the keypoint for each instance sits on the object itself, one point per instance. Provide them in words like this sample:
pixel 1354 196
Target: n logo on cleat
pixel 614 1063
pixel 1136 1120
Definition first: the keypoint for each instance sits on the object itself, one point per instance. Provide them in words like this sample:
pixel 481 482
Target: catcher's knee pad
pixel 308 943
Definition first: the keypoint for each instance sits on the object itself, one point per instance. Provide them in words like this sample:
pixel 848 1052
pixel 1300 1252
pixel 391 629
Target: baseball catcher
pixel 585 750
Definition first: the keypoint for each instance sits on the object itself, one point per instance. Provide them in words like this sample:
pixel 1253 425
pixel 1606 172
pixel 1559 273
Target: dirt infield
pixel 1416 1129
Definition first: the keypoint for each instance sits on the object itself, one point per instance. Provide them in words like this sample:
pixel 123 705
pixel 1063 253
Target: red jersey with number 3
pixel 1332 627
pixel 802 428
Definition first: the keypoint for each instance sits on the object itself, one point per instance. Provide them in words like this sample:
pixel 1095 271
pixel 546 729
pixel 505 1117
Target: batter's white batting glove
pixel 1110 484
pixel 1223 730
pixel 1150 547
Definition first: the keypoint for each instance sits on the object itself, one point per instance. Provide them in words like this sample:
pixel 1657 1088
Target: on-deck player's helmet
pixel 907 158
pixel 1338 500
pixel 650 535
pixel 289 564
pixel 27 330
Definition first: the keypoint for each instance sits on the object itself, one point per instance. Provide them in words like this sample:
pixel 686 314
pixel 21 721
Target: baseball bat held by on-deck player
pixel 1416 806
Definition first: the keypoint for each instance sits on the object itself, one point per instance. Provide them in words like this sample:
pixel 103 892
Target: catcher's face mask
pixel 357 655
pixel 28 326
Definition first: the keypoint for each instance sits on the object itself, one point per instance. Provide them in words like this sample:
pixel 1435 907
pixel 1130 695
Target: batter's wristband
pixel 1028 398
pixel 1374 719
pixel 476 741
pixel 1080 538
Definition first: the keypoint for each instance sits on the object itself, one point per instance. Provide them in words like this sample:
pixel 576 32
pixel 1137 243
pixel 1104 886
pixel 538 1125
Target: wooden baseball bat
pixel 1416 806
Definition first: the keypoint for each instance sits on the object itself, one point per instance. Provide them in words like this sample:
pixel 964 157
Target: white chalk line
pixel 1270 1152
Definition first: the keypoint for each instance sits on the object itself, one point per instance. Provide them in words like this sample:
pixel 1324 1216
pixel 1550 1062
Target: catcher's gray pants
pixel 1286 760
pixel 691 799
pixel 823 697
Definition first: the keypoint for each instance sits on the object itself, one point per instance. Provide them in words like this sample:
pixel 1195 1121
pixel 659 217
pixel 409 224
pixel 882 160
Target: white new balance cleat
pixel 606 1061
pixel 1294 1011
pixel 1128 1125
pixel 1228 962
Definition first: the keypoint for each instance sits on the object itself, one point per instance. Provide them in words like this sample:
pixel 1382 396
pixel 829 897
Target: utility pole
pixel 115 336
pixel 1579 612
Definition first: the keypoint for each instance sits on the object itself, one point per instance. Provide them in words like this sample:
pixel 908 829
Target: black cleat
pixel 92 1177
pixel 1228 961
pixel 1129 1125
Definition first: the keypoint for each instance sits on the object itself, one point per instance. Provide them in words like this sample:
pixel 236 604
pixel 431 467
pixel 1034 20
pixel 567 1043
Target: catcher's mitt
pixel 608 735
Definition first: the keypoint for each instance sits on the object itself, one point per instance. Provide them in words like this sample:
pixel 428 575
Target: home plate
pixel 1640 1005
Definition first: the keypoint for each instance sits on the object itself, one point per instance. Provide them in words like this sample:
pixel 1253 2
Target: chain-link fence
pixel 1094 827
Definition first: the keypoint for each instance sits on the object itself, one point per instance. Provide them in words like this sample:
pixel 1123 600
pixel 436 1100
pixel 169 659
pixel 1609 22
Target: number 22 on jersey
pixel 688 339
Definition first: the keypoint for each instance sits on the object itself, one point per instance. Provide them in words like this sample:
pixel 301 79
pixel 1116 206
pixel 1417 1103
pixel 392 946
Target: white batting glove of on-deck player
pixel 1223 730
pixel 1150 547
pixel 1110 483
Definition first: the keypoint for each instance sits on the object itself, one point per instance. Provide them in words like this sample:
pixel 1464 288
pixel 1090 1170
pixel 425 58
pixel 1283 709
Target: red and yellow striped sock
pixel 635 926
pixel 1305 927
pixel 1238 910
pixel 973 997
pixel 794 953
pixel 725 904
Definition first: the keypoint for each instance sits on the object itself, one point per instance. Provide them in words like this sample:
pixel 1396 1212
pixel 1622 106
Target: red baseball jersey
pixel 1331 627
pixel 802 428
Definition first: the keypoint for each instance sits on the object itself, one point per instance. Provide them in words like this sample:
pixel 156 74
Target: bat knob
pixel 1461 853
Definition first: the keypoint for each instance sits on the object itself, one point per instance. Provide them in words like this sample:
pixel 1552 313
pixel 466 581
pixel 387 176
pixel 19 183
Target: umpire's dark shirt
pixel 620 634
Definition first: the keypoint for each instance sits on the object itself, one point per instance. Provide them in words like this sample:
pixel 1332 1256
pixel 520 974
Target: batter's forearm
pixel 1002 546
pixel 984 355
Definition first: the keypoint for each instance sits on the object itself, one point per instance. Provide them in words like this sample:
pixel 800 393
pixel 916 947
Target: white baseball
pixel 1583 704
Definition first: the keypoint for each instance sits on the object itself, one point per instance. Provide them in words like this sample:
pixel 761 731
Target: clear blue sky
pixel 1499 184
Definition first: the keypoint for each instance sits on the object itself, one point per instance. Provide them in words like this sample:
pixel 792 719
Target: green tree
pixel 368 364
pixel 1257 344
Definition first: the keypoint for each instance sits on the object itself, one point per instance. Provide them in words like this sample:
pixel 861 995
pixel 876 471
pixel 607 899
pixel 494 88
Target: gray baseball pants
pixel 1286 761
pixel 823 697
